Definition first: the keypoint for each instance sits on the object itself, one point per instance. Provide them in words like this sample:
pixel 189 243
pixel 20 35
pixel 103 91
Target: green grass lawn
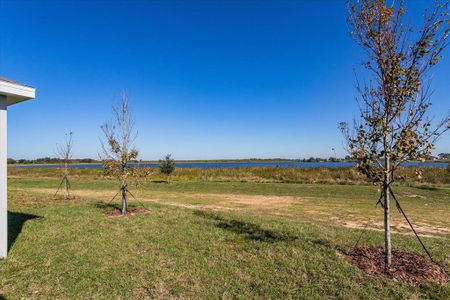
pixel 203 239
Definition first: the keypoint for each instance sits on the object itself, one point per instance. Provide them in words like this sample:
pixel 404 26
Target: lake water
pixel 210 165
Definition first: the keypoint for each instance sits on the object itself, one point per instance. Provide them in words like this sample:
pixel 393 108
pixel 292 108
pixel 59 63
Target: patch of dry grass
pixel 430 175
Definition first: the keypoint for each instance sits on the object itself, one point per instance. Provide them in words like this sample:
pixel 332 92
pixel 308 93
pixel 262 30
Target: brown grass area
pixel 276 205
pixel 398 226
pixel 430 175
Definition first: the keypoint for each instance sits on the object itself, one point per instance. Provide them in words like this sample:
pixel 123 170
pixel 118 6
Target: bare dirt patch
pixel 406 266
pixel 77 193
pixel 411 195
pixel 423 229
pixel 256 201
pixel 259 201
pixel 116 212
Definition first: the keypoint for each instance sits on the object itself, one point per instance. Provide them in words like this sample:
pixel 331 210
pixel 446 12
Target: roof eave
pixel 16 93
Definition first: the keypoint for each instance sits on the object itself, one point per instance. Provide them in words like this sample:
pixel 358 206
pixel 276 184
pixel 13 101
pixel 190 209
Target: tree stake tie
pixel 400 209
pixel 115 196
pixel 61 183
pixel 362 232
pixel 122 189
pixel 126 190
pixel 368 221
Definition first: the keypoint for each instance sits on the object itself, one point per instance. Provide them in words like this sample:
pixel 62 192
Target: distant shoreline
pixel 219 164
pixel 217 161
pixel 274 160
pixel 181 162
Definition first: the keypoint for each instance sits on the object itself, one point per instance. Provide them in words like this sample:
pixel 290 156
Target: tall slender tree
pixel 394 125
pixel 118 150
pixel 65 153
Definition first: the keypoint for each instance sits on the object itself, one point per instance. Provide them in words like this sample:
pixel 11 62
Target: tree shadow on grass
pixel 328 245
pixel 102 205
pixel 106 206
pixel 322 243
pixel 249 230
pixel 160 181
pixel 427 188
pixel 16 221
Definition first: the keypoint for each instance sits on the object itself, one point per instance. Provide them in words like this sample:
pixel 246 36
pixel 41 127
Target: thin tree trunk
pixel 124 200
pixel 387 225
pixel 66 187
pixel 66 192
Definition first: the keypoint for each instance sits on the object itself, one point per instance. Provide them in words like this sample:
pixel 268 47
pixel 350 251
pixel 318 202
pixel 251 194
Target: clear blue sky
pixel 208 79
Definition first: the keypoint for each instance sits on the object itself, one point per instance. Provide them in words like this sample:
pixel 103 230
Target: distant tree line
pixel 444 156
pixel 50 160
pixel 321 159
pixel 55 160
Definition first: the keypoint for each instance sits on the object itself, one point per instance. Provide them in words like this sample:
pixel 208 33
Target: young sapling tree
pixel 167 166
pixel 394 126
pixel 118 149
pixel 65 154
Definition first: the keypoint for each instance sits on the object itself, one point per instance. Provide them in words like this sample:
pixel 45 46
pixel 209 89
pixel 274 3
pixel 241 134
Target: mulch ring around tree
pixel 406 266
pixel 117 212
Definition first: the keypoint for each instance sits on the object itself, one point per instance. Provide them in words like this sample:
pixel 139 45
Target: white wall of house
pixel 11 93
pixel 3 179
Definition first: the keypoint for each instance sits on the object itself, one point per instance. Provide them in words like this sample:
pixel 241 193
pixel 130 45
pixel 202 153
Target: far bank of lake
pixel 251 164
